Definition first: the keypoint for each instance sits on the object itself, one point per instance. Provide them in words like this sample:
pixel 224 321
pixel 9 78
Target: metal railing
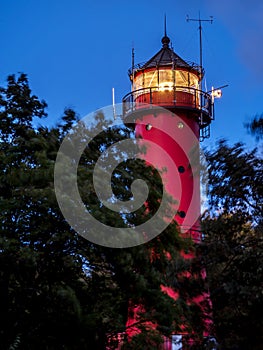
pixel 169 97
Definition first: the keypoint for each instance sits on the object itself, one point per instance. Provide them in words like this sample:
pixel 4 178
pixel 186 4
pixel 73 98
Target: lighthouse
pixel 168 81
pixel 171 110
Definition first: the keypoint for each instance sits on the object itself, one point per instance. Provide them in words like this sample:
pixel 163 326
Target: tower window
pixel 181 169
pixel 181 214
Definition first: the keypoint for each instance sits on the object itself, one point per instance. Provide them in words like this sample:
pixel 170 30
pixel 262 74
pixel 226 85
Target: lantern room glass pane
pixel 138 82
pixel 166 78
pixel 193 80
pixel 151 78
pixel 188 79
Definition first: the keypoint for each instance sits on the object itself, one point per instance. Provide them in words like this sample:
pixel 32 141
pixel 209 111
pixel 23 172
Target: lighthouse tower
pixel 168 81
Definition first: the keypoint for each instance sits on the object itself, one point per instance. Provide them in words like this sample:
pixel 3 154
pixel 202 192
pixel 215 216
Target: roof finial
pixel 165 39
pixel 165 25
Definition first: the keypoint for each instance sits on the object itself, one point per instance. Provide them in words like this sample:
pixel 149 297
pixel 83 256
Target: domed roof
pixel 166 57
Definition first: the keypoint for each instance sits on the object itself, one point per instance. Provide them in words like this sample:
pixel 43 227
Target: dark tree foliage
pixel 233 246
pixel 255 127
pixel 59 291
pixel 235 179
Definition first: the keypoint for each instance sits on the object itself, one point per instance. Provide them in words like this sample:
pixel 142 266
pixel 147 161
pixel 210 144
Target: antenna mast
pixel 133 67
pixel 200 20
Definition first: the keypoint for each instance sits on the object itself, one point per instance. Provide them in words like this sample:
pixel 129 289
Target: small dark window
pixel 181 169
pixel 182 213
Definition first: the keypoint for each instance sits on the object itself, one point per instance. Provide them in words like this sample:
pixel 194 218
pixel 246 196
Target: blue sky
pixel 74 52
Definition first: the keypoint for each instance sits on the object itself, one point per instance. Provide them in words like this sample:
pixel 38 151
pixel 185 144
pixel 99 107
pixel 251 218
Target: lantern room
pixel 168 81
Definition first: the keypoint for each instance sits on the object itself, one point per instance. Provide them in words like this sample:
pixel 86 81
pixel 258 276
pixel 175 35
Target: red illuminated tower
pixel 166 80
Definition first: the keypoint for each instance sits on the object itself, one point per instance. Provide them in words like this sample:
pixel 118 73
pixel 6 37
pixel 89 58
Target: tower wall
pixel 178 135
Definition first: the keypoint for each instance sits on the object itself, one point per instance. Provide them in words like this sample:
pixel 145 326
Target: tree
pixel 255 126
pixel 59 291
pixel 233 246
pixel 39 274
pixel 139 272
